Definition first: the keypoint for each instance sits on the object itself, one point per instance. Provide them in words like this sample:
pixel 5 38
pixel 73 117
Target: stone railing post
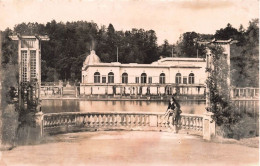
pixel 208 126
pixel 39 124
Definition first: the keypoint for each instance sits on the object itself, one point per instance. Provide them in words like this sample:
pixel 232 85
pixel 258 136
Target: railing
pixel 76 121
pixel 245 93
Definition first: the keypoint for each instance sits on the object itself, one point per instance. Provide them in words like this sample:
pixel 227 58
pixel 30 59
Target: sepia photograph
pixel 129 82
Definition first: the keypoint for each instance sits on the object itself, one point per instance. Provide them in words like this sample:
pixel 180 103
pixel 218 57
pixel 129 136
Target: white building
pixel 165 76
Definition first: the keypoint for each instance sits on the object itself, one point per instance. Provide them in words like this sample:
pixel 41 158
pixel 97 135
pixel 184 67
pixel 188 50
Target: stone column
pixel 208 126
pixel 39 124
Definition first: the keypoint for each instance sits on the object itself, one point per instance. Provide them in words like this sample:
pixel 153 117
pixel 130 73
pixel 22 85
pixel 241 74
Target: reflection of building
pixel 165 76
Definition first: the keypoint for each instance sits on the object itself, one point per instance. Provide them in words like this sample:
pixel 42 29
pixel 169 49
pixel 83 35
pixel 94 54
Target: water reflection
pixel 52 106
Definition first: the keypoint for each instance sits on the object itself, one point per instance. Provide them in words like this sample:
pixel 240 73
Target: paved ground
pixel 129 148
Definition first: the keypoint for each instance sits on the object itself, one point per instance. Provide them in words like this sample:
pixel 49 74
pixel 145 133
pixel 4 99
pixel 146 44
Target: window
pixel 137 80
pixel 185 80
pixel 124 78
pixel 143 78
pixel 162 78
pixel 178 78
pixel 191 78
pixel 150 80
pixel 24 66
pixel 104 79
pixel 33 64
pixel 96 77
pixel 111 77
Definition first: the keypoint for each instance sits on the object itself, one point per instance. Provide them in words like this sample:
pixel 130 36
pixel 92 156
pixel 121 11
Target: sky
pixel 169 18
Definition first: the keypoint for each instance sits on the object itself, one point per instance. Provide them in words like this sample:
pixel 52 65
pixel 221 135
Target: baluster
pixel 71 118
pixel 126 120
pixel 105 120
pixel 160 121
pixel 116 119
pixel 144 120
pixel 122 120
pixel 45 122
pixel 113 120
pixel 100 120
pixel 130 120
pixel 64 120
pixel 197 123
pixel 68 120
pixel 59 120
pixel 83 120
pixel 50 121
pixel 141 120
pixel 201 124
pixel 185 122
pixel 93 120
pixel 198 126
pixel 108 120
pixel 97 120
pixel 191 123
pixel 134 120
pixel 194 123
pixel 137 120
pixel 54 121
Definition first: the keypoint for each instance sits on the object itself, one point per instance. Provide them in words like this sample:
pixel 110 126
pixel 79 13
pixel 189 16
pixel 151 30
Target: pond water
pixel 54 106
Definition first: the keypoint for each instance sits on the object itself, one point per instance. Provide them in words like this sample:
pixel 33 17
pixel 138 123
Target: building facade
pixel 165 76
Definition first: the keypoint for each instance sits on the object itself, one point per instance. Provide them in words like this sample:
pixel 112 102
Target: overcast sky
pixel 169 18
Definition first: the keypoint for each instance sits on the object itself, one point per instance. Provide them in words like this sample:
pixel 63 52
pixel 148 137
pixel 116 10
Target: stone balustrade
pixel 54 123
pixel 247 92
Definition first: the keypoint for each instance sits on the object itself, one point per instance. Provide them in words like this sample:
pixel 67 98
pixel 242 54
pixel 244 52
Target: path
pixel 129 148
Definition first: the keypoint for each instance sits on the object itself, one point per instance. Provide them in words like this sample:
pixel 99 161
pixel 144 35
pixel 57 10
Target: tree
pixel 225 115
pixel 228 33
pixel 187 45
pixel 245 57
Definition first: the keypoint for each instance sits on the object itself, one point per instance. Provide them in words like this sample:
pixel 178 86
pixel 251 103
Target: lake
pixel 55 106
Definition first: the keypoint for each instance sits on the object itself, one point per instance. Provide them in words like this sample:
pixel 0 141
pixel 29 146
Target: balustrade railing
pixel 77 121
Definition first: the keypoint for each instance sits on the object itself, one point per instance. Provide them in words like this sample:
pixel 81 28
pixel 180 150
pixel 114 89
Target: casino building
pixel 184 76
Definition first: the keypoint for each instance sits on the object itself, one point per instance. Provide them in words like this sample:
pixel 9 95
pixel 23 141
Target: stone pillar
pixel 208 126
pixel 39 124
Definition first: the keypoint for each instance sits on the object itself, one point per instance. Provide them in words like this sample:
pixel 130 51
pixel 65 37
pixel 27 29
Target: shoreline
pixel 119 99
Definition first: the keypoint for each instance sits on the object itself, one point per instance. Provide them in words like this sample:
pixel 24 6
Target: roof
pixel 91 59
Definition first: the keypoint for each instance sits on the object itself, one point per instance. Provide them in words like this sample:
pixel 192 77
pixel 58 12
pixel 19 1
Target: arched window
pixel 162 78
pixel 111 77
pixel 124 78
pixel 96 77
pixel 178 78
pixel 191 78
pixel 143 78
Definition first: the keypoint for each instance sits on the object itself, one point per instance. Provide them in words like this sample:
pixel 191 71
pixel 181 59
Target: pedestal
pixel 208 126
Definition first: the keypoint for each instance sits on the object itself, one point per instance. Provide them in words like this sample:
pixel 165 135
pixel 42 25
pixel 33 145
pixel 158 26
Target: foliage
pixel 226 114
pixel 187 45
pixel 244 54
pixel 71 42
